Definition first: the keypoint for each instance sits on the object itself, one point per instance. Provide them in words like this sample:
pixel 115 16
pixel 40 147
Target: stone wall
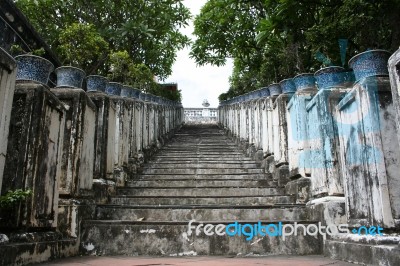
pixel 71 149
pixel 7 86
pixel 340 146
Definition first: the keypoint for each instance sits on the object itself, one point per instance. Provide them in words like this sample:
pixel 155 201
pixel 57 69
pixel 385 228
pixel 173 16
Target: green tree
pixel 80 45
pixel 147 29
pixel 275 39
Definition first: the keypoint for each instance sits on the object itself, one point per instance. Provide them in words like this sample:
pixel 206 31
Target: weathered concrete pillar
pixel 368 154
pixel 157 125
pixel 257 125
pixel 104 145
pixel 132 157
pixel 298 136
pixel 139 129
pixel 279 167
pixel 78 153
pixel 326 179
pixel 152 140
pixel 269 105
pixel 163 127
pixel 279 122
pixel 264 126
pixel 394 74
pixel 7 86
pixel 33 159
pixel 250 139
pixel 145 127
pixel 269 161
pixel 124 107
pixel 105 135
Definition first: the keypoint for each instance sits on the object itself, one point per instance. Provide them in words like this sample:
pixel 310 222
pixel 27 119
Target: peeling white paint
pixel 185 236
pixel 255 242
pixel 147 231
pixel 89 247
pixel 190 253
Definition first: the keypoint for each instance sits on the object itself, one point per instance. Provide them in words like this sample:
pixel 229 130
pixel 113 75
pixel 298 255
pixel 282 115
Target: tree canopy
pixel 275 39
pixel 147 29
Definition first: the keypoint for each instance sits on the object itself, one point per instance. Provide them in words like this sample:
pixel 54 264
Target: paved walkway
pixel 197 261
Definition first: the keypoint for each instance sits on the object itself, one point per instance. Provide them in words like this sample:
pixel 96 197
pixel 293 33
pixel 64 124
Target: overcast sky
pixel 198 83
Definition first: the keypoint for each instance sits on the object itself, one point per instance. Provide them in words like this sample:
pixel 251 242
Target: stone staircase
pixel 199 175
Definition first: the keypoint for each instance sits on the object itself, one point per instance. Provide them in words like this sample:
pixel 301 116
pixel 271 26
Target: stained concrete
pixel 315 260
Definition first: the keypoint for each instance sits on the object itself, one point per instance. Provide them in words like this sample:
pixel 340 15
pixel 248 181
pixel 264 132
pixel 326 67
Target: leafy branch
pixel 11 198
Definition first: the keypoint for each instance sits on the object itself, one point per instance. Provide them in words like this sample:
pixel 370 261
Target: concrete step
pixel 174 160
pixel 203 176
pixel 190 200
pixel 229 157
pixel 196 147
pixel 364 250
pixel 236 155
pixel 202 171
pixel 204 153
pixel 190 182
pixel 172 239
pixel 200 212
pixel 213 165
pixel 203 191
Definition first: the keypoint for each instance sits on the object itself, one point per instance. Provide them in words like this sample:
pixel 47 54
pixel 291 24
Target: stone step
pixel 190 200
pixel 195 147
pixel 203 153
pixel 200 212
pixel 172 239
pixel 234 155
pixel 190 182
pixel 167 160
pixel 202 176
pixel 203 191
pixel 156 165
pixel 202 171
pixel 364 250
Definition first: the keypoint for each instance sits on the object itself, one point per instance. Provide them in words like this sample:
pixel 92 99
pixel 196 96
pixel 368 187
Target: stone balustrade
pixel 72 148
pixel 7 86
pixel 331 148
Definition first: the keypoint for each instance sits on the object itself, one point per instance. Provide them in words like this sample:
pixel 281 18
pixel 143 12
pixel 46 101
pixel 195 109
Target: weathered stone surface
pixel 105 135
pixel 130 238
pixel 394 74
pixel 209 212
pixel 329 210
pixel 124 113
pixel 221 200
pixel 300 188
pixel 159 204
pixel 369 155
pixel 3 239
pixel 7 86
pixel 71 213
pixel 366 250
pixel 298 135
pixel 279 129
pixel 78 147
pixel 34 155
pixel 324 143
pixel 37 251
pixel 187 191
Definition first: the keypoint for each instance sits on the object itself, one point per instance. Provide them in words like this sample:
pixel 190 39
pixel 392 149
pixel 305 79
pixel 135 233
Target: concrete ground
pixel 315 260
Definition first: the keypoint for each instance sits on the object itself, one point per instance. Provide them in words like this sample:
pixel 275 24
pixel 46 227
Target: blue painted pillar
pixel 324 144
pixel 370 154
